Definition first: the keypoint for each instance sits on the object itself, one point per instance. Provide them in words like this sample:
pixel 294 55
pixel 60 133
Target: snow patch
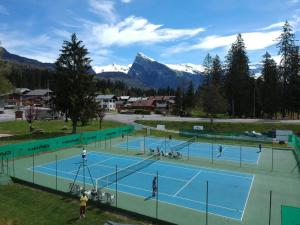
pixel 112 68
pixel 187 67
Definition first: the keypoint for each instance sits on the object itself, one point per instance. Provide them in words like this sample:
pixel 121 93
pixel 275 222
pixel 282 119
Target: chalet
pixel 38 96
pixel 107 102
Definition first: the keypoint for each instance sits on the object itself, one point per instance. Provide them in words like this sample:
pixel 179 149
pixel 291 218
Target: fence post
pixel 144 144
pixel 270 208
pixel 33 167
pixel 240 156
pixel 206 204
pixel 127 142
pixel 156 212
pixel 212 153
pixel 116 185
pixel 13 158
pixel 272 160
pixel 56 172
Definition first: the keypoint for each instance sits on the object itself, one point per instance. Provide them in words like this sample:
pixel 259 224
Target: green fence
pixel 290 215
pixel 51 144
pixel 294 141
pixel 225 135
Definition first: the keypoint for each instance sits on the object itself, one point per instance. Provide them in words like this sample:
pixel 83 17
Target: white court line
pixel 187 199
pixel 150 174
pixel 95 164
pixel 247 198
pixel 185 166
pixel 166 202
pixel 187 183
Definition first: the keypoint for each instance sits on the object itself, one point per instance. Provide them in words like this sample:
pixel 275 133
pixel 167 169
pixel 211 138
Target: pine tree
pixel 288 66
pixel 216 71
pixel 270 86
pixel 238 83
pixel 190 97
pixel 178 108
pixel 74 89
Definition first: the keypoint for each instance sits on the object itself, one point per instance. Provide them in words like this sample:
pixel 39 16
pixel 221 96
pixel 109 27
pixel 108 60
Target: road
pixel 129 119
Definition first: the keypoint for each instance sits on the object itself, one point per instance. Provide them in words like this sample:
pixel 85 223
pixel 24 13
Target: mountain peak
pixel 143 56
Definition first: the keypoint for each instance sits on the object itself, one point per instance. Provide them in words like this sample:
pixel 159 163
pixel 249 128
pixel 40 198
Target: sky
pixel 170 31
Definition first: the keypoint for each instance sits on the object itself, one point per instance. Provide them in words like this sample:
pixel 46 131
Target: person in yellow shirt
pixel 83 200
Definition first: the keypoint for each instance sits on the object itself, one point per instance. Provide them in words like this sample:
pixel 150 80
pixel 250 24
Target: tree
pixel 288 65
pixel 74 89
pixel 189 98
pixel 5 85
pixel 101 115
pixel 178 107
pixel 270 86
pixel 216 71
pixel 212 101
pixel 238 82
pixel 31 114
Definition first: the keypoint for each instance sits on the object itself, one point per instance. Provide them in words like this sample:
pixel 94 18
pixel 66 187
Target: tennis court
pixel 195 149
pixel 179 185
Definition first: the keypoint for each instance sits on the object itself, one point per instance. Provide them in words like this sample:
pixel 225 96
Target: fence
pixel 52 144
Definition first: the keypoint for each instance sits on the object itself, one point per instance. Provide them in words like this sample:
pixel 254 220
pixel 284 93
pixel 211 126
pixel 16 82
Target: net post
pixel 56 172
pixel 270 208
pixel 156 208
pixel 165 144
pixel 33 167
pixel 206 204
pixel 110 142
pixel 105 142
pixel 116 185
pixel 188 152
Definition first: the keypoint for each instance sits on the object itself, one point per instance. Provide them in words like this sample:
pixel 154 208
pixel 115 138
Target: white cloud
pixel 135 30
pixel 3 10
pixel 253 41
pixel 104 8
pixel 126 1
pixel 272 26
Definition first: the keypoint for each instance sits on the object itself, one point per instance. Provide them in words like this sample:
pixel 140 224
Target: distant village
pixel 21 98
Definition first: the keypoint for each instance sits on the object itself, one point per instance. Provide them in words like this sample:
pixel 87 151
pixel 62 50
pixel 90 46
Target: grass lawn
pixel 224 127
pixel 52 128
pixel 22 205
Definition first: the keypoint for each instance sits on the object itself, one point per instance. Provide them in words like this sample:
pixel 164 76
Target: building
pixel 38 96
pixel 107 102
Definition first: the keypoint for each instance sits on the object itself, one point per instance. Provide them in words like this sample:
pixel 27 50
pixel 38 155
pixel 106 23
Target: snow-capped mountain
pixel 112 68
pixel 188 68
pixel 147 72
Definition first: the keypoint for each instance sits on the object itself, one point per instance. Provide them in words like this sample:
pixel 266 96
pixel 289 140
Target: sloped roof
pixel 98 97
pixel 143 103
pixel 38 92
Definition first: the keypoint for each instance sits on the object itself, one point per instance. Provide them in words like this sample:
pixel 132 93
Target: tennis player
pixel 83 154
pixel 220 151
pixel 259 148
pixel 154 186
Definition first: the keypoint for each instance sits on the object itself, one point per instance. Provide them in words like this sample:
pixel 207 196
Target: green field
pixel 53 128
pixel 22 205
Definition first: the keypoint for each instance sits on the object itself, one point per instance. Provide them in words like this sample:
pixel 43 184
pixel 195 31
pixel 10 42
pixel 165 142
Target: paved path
pixel 124 118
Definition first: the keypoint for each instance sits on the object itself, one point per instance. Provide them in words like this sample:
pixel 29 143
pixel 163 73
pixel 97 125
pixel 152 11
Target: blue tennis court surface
pixel 181 185
pixel 196 149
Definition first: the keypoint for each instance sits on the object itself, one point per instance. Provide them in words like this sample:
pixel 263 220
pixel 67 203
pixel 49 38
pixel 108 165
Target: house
pixel 107 102
pixel 38 96
pixel 148 105
pixel 163 104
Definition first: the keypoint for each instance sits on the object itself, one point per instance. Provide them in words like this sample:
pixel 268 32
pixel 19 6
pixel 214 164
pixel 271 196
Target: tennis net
pixel 109 179
pixel 182 145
